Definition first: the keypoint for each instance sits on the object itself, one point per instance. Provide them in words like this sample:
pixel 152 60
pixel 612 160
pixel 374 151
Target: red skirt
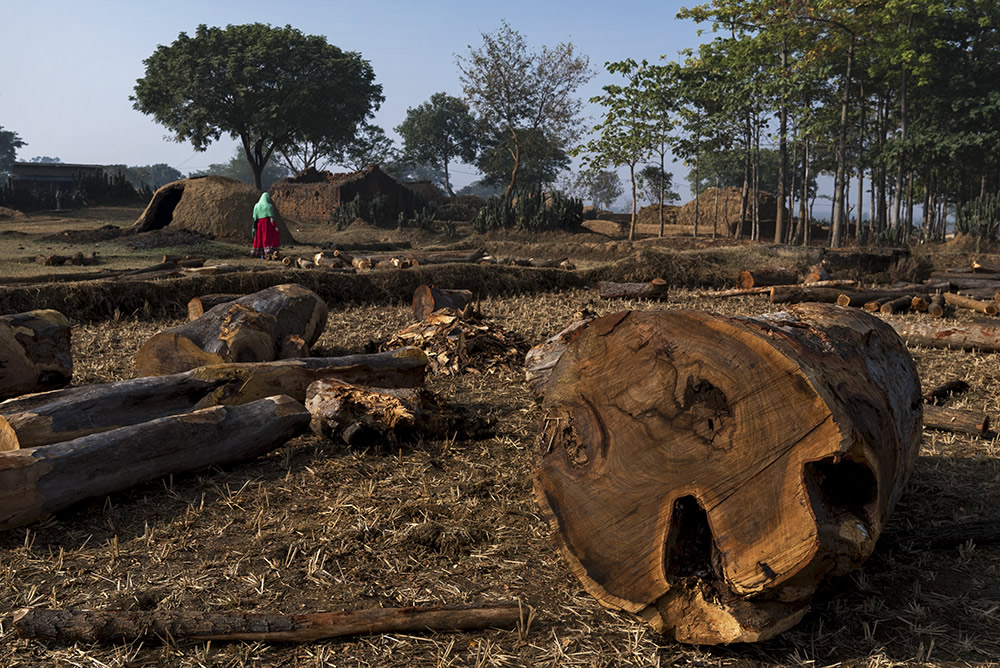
pixel 266 239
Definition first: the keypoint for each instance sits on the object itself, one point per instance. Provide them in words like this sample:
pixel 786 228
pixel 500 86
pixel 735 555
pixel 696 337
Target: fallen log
pixel 766 276
pixel 79 259
pixel 156 626
pixel 978 268
pixel 675 486
pixel 962 282
pixel 52 260
pixel 654 289
pixel 920 303
pixel 945 390
pixel 250 329
pixel 152 269
pixel 427 299
pixel 875 305
pixel 741 292
pixel 62 415
pixel 956 420
pixel 36 482
pixel 797 294
pixel 958 336
pixel 198 305
pixel 897 305
pixel 35 352
pixel 818 273
pixel 958 301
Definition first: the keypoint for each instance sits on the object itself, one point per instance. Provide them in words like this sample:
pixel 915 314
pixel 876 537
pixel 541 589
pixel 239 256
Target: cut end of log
pixel 166 353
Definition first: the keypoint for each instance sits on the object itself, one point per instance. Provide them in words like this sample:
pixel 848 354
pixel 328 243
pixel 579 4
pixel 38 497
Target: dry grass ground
pixel 317 526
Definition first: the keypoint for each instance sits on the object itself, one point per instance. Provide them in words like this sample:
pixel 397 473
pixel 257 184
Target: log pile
pixel 677 488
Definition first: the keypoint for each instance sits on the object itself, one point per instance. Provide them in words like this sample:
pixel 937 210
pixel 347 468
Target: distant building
pixel 45 178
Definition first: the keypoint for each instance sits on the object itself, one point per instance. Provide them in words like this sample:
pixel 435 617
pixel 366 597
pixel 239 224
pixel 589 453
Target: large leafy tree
pixel 9 143
pixel 439 131
pixel 601 186
pixel 268 87
pixel 542 158
pixel 523 96
pixel 369 146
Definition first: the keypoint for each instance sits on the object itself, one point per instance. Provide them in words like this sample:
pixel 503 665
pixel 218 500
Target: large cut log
pixel 155 626
pixel 36 482
pixel 707 472
pixel 956 420
pixel 753 278
pixel 654 289
pixel 958 336
pixel 62 415
pixel 199 305
pixel 250 329
pixel 35 352
pixel 427 299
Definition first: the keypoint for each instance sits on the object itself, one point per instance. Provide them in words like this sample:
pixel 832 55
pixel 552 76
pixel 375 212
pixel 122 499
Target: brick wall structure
pixel 312 196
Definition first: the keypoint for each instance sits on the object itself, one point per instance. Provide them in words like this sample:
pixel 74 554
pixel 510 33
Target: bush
pixel 531 209
pixel 980 218
pixel 373 210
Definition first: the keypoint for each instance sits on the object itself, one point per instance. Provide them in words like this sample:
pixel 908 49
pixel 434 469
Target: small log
pixel 978 268
pixel 36 482
pixel 919 303
pixel 547 264
pixel 957 336
pixel 945 390
pixel 52 260
pixel 566 265
pixel 897 305
pixel 876 304
pixel 157 626
pixel 818 273
pixel 303 263
pixel 250 329
pixel 675 486
pixel 191 262
pixel 337 261
pixel 797 294
pixel 198 305
pixel 361 264
pixel 958 301
pixel 767 276
pixel 956 420
pixel 740 292
pixel 935 307
pixel 654 289
pixel 962 282
pixel 427 299
pixel 982 293
pixel 35 353
pixel 162 266
pixel 62 415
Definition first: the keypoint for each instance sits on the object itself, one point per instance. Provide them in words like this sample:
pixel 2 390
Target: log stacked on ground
pixel 35 352
pixel 707 472
pixel 654 289
pixel 250 329
pixel 964 336
pixel 765 276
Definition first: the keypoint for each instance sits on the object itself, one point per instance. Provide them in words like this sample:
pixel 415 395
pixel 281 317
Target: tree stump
pixel 253 328
pixel 707 472
pixel 34 352
pixel 427 299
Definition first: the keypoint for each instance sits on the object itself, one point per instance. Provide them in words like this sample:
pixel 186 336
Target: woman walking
pixel 265 238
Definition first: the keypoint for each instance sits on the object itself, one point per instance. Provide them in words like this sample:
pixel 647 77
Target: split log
pixel 36 482
pixel 250 329
pixel 156 626
pixel 945 390
pixel 956 420
pixel 677 488
pixel 958 336
pixel 766 276
pixel 427 299
pixel 797 294
pixel 198 305
pixel 35 352
pixel 897 305
pixel 654 289
pixel 62 415
pixel 958 301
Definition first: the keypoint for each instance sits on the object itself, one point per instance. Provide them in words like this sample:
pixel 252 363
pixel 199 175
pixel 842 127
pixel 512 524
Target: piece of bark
pixel 62 415
pixel 958 301
pixel 654 289
pixel 198 305
pixel 252 328
pixel 36 482
pixel 957 336
pixel 798 294
pixel 156 626
pixel 766 276
pixel 897 305
pixel 35 352
pixel 677 487
pixel 956 420
pixel 945 390
pixel 427 299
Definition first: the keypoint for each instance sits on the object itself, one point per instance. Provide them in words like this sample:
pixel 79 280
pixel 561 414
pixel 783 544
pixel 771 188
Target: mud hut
pixel 312 196
pixel 211 205
pixel 721 206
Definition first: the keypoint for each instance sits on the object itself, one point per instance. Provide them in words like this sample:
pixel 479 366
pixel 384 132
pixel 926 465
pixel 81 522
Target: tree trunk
pixel 427 299
pixel 250 329
pixel 37 482
pixel 62 415
pixel 199 305
pixel 35 352
pixel 156 626
pixel 677 488
pixel 839 185
pixel 750 278
pixel 654 289
pixel 779 221
pixel 966 336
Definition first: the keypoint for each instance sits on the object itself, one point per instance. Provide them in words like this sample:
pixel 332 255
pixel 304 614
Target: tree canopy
pixel 9 143
pixel 269 87
pixel 238 168
pixel 439 131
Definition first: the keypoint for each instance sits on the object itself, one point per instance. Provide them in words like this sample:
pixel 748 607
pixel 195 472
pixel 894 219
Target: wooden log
pixel 962 282
pixel 897 305
pixel 427 299
pixel 36 482
pixel 35 353
pixel 958 336
pixel 162 266
pixel 52 260
pixel 541 359
pixel 191 262
pixel 547 264
pixel 978 268
pixel 876 304
pixel 766 276
pixel 797 294
pixel 945 390
pixel 919 303
pixel 62 415
pixel 198 305
pixel 818 273
pixel 303 263
pixel 982 293
pixel 956 420
pixel 250 329
pixel 935 307
pixel 654 289
pixel 677 488
pixel 157 626
pixel 958 301
pixel 740 292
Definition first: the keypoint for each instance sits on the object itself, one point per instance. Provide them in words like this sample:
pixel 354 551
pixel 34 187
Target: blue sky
pixel 69 66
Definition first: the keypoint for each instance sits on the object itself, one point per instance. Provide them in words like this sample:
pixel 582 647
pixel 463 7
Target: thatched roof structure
pixel 211 205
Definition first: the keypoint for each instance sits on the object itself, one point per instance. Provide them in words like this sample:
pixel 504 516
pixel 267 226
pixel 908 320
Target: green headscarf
pixel 264 208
